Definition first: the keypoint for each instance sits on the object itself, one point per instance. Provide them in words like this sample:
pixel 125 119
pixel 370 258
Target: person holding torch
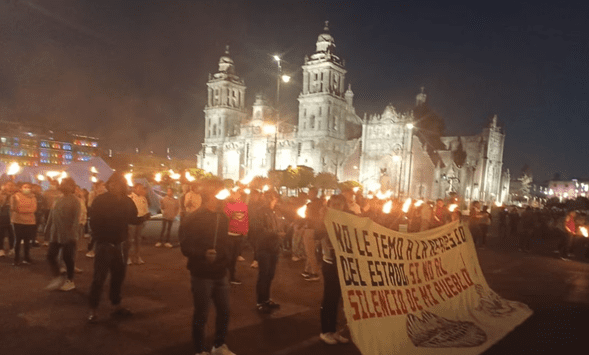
pixel 204 240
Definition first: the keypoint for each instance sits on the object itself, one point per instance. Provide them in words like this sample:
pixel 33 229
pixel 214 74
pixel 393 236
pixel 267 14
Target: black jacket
pixel 110 216
pixel 197 234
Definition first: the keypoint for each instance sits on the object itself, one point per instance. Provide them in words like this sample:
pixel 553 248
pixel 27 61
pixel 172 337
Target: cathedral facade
pixel 380 151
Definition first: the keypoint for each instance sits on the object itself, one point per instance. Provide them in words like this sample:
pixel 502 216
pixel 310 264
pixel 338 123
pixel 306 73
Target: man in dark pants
pixel 269 240
pixel 204 241
pixel 110 215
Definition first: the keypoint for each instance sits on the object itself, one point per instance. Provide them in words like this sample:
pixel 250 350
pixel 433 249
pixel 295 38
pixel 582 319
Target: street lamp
pixel 284 78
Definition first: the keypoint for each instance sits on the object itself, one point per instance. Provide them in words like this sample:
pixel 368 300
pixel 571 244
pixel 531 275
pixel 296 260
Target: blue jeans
pixel 203 291
pixel 267 266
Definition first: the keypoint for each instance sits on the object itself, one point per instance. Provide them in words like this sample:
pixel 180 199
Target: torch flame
pixel 383 196
pixel 52 174
pixel 93 179
pixel 356 189
pixel 497 203
pixel 387 207
pixel 93 170
pixel 158 177
pixel 302 212
pixel 189 177
pixel 129 178
pixel 452 207
pixel 40 177
pixel 418 203
pixel 223 194
pixel 235 189
pixel 13 169
pixel 584 231
pixel 247 180
pixel 62 176
pixel 247 191
pixel 406 205
pixel 265 188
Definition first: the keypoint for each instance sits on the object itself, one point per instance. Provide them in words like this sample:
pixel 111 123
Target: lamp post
pixel 284 78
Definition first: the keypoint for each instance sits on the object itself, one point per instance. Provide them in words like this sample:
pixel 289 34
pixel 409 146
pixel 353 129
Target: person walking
pixel 136 227
pixel 528 224
pixel 313 229
pixel 6 230
pixel 474 222
pixel 62 230
pixel 110 216
pixel 237 212
pixel 170 208
pixel 23 206
pixel 192 199
pixel 439 214
pixel 204 240
pixel 269 240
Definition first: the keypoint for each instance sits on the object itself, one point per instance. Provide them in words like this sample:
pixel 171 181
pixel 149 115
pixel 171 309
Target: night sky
pixel 134 72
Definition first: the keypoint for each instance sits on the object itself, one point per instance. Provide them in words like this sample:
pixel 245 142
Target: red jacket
pixel 238 217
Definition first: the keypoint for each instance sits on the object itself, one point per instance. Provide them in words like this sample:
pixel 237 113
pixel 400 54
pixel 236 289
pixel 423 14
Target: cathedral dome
pixel 325 41
pixel 226 63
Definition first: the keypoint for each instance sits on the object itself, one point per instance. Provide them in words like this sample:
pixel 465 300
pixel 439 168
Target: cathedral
pixel 381 151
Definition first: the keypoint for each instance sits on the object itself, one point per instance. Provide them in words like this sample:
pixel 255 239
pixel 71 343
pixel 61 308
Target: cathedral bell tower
pixel 323 107
pixel 224 112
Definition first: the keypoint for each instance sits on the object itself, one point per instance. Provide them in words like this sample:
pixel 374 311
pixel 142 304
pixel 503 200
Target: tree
pixel 349 184
pixel 325 181
pixel 526 184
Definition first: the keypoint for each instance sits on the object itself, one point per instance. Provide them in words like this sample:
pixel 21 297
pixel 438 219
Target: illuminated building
pixel 380 151
pixel 31 145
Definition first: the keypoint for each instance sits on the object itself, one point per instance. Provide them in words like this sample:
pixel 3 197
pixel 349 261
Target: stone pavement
pixel 34 321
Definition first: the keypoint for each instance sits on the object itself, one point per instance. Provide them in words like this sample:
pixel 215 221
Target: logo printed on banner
pixel 407 293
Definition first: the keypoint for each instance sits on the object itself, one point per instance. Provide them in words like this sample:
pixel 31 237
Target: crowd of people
pixel 216 225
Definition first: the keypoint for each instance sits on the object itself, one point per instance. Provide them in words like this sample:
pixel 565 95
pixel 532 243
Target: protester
pixel 205 242
pixel 23 206
pixel 97 189
pixel 426 216
pixel 270 236
pixel 314 227
pixel 440 214
pixel 567 242
pixel 39 215
pixel 513 223
pixel 474 222
pixel 528 224
pixel 49 197
pixel 192 199
pixel 136 227
pixel 182 199
pixel 110 215
pixel 62 230
pixel 82 223
pixel 6 230
pixel 170 207
pixel 237 212
pixel 484 223
pixel 254 205
pixel 332 292
pixel 348 193
pixel 503 214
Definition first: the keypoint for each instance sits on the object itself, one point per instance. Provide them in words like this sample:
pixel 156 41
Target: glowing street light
pixel 410 125
pixel 285 78
pixel 269 129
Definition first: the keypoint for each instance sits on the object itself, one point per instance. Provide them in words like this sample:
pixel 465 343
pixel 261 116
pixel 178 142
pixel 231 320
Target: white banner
pixel 418 293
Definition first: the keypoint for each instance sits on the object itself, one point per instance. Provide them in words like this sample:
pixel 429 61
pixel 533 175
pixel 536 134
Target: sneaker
pixel 339 338
pixel 295 258
pixel 139 261
pixel 55 284
pixel 254 264
pixel 305 274
pixel 240 258
pixel 264 308
pixel 90 254
pixel 68 285
pixel 129 261
pixel 27 262
pixel 77 270
pixel 312 277
pixel 564 259
pixel 235 282
pixel 158 244
pixel 2 252
pixel 168 245
pixel 328 338
pixel 222 350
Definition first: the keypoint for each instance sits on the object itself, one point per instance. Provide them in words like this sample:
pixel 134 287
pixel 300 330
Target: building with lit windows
pixel 30 145
pixel 381 151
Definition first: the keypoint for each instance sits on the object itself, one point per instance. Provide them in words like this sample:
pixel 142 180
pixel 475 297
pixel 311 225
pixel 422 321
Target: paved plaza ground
pixel 35 321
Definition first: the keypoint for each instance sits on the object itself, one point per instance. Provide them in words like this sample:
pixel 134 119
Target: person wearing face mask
pixel 5 227
pixel 23 206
